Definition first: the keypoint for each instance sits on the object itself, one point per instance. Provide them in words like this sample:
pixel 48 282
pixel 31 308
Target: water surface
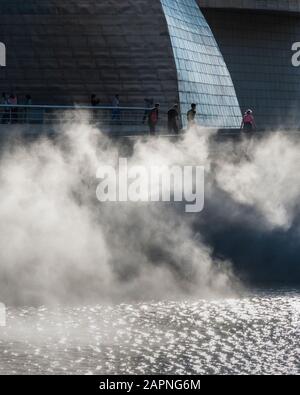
pixel 256 334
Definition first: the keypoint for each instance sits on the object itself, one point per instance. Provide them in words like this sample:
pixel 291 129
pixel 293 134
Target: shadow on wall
pixel 257 50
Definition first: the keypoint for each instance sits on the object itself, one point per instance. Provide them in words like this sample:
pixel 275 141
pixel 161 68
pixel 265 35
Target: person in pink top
pixel 12 100
pixel 248 123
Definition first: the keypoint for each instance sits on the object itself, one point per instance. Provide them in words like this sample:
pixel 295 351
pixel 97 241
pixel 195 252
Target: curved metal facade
pixel 203 77
pixel 62 51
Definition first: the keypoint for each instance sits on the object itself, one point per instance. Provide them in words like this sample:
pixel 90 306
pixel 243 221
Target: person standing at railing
pixel 4 98
pixel 153 118
pixel 191 116
pixel 6 111
pixel 94 103
pixel 248 122
pixel 173 120
pixel 148 105
pixel 27 111
pixel 116 113
pixel 13 101
pixel 28 100
pixel 248 127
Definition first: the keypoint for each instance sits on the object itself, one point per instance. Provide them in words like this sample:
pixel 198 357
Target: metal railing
pixel 48 114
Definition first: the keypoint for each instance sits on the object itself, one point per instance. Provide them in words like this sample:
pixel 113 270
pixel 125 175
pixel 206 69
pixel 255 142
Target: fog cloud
pixel 59 244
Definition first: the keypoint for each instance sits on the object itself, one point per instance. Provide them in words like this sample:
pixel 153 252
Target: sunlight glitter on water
pixel 257 334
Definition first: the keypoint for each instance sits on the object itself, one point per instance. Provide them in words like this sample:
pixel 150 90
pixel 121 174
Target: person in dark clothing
pixel 13 101
pixel 6 111
pixel 27 111
pixel 28 100
pixel 153 117
pixel 94 101
pixel 191 115
pixel 173 120
pixel 116 113
pixel 148 105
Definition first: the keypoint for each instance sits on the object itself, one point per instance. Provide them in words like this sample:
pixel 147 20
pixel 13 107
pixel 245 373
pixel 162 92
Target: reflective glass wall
pixel 203 77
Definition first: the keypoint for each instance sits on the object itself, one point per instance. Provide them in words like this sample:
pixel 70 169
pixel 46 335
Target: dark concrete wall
pixel 269 5
pixel 257 50
pixel 61 51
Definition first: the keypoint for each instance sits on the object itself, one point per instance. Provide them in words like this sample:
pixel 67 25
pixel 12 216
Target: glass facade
pixel 203 77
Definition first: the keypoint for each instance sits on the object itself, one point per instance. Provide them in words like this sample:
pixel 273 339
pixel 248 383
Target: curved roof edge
pixel 266 5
